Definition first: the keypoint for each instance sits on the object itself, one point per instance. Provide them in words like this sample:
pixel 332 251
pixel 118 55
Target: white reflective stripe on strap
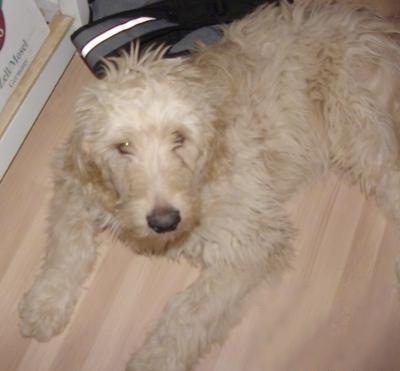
pixel 111 32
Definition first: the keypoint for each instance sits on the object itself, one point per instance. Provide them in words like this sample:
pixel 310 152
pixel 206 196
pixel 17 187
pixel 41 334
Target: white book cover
pixel 22 33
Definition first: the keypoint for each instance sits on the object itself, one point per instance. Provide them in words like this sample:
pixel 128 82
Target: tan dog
pixel 195 157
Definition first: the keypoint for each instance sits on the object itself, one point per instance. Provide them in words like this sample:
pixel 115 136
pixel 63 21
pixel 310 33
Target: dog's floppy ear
pixel 76 155
pixel 76 160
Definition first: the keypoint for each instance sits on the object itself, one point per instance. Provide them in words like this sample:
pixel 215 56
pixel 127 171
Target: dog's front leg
pixel 47 307
pixel 200 316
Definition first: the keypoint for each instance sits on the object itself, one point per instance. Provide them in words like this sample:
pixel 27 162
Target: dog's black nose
pixel 163 220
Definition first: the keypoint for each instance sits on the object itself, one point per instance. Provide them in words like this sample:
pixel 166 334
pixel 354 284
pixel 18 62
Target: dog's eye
pixel 125 148
pixel 179 140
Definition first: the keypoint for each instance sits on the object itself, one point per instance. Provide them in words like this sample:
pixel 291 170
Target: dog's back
pixel 316 73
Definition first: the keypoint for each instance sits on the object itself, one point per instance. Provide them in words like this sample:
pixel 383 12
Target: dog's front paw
pixel 155 361
pixel 140 363
pixel 397 268
pixel 46 309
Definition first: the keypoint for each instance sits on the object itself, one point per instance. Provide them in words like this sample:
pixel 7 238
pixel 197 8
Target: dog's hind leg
pixel 367 152
pixel 364 134
pixel 364 126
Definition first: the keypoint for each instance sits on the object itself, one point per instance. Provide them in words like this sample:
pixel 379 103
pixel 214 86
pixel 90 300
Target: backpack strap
pixel 168 22
pixel 105 37
pixel 200 13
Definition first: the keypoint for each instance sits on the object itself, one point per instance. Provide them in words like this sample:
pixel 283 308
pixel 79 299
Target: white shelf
pixel 31 94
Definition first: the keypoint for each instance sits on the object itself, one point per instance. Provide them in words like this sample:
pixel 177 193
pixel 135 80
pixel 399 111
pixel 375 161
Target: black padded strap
pixel 169 22
pixel 199 13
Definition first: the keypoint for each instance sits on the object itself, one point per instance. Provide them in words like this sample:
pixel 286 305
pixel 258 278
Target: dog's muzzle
pixel 163 220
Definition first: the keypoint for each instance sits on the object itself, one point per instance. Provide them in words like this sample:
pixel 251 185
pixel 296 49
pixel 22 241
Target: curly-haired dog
pixel 195 157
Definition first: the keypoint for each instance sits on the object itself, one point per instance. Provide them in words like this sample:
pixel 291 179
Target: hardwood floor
pixel 336 310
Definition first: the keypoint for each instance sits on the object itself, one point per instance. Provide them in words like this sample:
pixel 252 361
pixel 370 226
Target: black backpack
pixel 176 23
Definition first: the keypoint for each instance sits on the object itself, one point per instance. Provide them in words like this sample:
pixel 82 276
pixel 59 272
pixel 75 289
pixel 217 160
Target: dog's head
pixel 144 138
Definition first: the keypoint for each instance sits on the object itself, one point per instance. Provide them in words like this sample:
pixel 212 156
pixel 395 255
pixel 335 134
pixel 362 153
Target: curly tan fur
pixel 224 138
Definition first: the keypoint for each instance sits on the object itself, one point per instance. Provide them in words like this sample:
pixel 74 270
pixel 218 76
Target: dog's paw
pixel 397 268
pixel 140 366
pixel 145 360
pixel 139 363
pixel 46 309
